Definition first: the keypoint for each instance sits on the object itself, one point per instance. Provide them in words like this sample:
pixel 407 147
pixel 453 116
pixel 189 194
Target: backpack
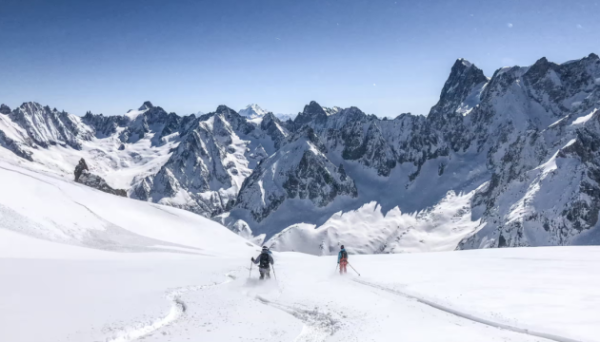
pixel 264 260
pixel 344 255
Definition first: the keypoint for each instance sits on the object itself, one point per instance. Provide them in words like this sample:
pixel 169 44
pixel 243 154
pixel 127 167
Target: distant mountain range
pixel 254 111
pixel 511 160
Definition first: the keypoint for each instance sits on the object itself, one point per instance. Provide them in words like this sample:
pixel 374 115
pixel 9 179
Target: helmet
pixel 265 248
pixel 342 247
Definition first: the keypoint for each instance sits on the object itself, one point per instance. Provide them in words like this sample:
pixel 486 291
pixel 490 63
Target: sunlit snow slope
pixel 80 265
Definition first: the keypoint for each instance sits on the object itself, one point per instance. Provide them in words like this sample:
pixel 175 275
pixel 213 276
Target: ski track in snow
pixel 317 325
pixel 178 308
pixel 468 316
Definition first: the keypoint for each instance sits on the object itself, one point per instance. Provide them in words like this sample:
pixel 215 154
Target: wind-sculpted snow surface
pixel 369 231
pixel 521 144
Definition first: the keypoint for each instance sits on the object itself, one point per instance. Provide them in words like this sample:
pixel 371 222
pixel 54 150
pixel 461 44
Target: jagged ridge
pixel 503 137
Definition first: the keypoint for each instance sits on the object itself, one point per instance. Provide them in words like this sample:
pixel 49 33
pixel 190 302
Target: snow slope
pixel 53 209
pixel 81 265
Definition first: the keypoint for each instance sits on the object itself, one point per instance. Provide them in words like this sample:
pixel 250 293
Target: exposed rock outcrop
pixel 85 177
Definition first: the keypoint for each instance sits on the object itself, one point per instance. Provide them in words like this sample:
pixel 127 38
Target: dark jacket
pixel 257 259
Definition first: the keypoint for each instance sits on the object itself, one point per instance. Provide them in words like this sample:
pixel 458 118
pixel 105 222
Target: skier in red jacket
pixel 343 260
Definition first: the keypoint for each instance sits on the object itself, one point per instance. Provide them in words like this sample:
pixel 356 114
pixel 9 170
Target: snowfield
pixel 80 265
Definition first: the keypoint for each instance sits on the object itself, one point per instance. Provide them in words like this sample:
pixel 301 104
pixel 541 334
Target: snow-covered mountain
pixel 215 154
pixel 509 160
pixel 253 111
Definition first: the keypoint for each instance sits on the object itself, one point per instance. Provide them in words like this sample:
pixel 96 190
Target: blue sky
pixel 385 57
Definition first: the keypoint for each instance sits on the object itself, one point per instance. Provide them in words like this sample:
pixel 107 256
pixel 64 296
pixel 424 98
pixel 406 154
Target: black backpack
pixel 264 260
pixel 344 255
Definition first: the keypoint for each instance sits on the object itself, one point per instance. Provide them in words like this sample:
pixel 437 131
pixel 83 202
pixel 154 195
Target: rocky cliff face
pixel 45 126
pixel 216 153
pixel 542 126
pixel 85 177
pixel 299 170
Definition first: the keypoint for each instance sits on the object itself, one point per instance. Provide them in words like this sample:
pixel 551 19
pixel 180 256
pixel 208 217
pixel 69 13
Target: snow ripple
pixel 318 325
pixel 468 316
pixel 178 309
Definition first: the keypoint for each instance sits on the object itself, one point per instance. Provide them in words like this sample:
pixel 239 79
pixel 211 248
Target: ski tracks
pixel 318 325
pixel 178 309
pixel 468 316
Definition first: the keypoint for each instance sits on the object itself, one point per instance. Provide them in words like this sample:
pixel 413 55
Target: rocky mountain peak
pixel 223 109
pixel 29 107
pixel 4 109
pixel 353 113
pixel 463 75
pixel 460 93
pixel 314 109
pixel 253 111
pixel 313 112
pixel 463 62
pixel 146 105
pixel 539 69
pixel 237 122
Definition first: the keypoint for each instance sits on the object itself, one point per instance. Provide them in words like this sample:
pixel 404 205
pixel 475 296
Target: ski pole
pixel 274 275
pixel 250 273
pixel 336 266
pixel 354 269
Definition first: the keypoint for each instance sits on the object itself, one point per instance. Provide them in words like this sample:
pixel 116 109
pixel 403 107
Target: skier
pixel 264 261
pixel 343 260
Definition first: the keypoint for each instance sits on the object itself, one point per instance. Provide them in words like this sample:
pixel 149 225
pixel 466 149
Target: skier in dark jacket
pixel 264 261
pixel 343 260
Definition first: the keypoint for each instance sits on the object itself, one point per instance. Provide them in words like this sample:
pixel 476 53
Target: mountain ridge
pixel 498 140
